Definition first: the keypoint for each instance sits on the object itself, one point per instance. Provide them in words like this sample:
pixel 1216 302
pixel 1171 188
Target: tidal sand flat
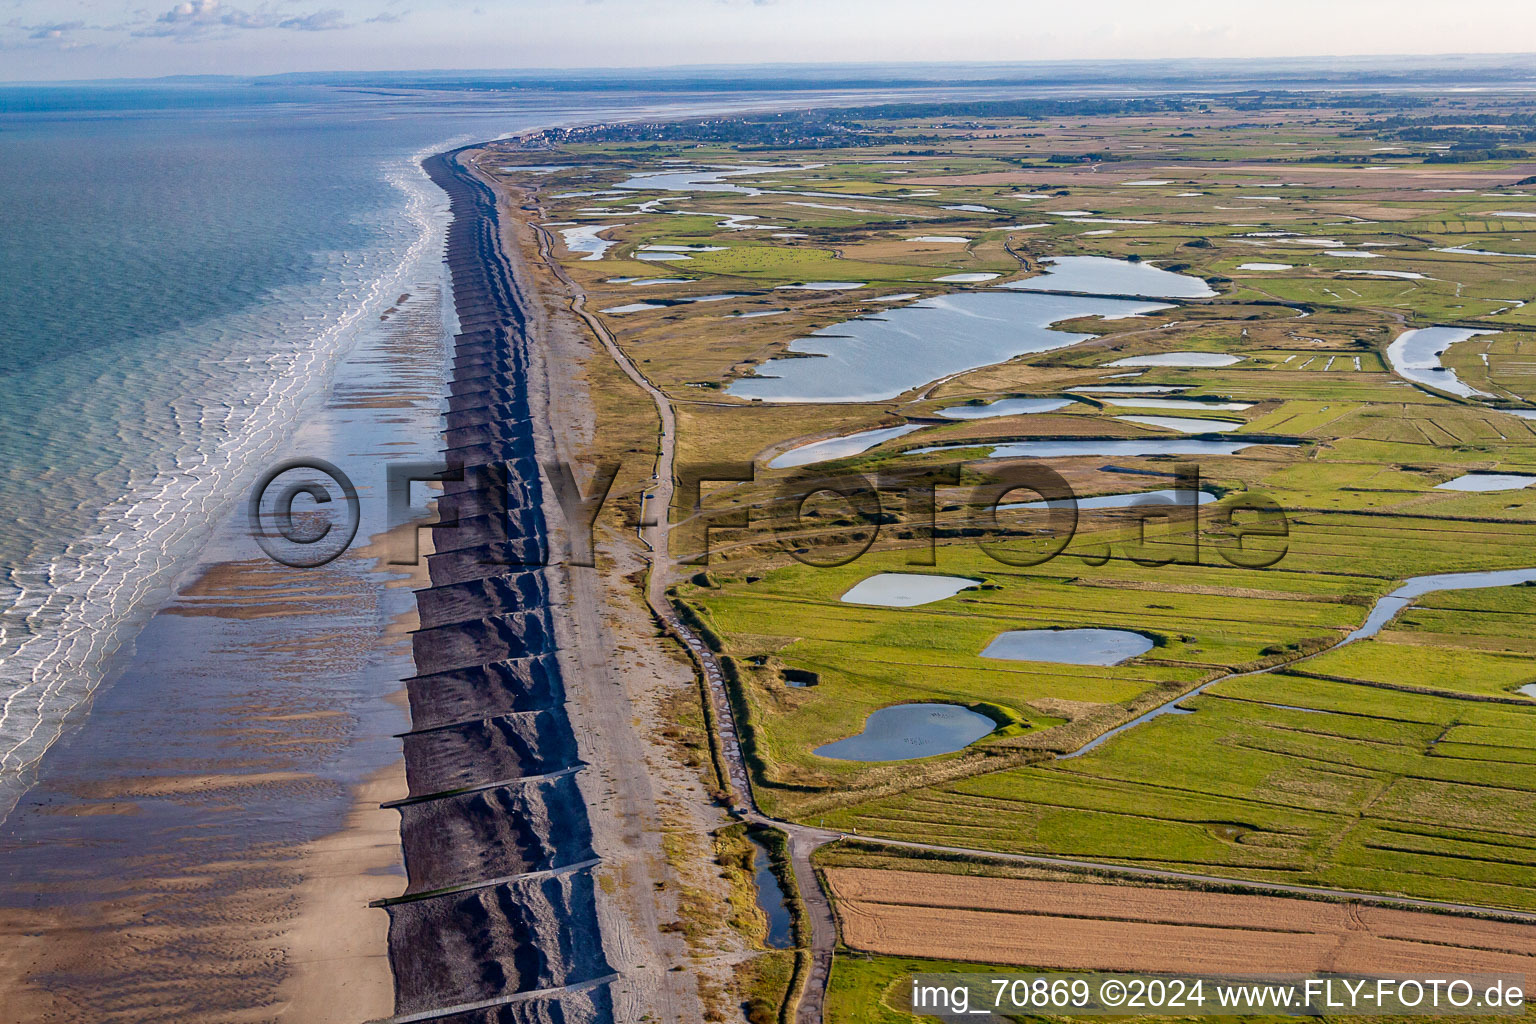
pixel 906 732
pixel 905 589
pixel 1415 355
pixel 1069 646
pixel 839 447
pixel 1102 275
pixel 872 358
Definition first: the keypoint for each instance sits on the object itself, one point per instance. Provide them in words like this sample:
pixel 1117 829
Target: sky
pixel 78 39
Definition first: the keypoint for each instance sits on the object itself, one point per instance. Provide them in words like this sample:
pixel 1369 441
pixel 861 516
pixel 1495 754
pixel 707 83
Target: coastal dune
pixel 498 922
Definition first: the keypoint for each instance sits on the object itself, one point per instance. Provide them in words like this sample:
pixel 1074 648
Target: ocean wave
pixel 184 446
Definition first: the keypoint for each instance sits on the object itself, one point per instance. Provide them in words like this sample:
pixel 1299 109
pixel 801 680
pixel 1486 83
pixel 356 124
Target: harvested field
pixel 1113 927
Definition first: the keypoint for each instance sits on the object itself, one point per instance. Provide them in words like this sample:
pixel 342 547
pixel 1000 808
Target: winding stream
pixel 1382 613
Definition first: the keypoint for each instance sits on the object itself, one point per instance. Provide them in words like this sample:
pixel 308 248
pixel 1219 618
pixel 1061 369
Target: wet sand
pixel 204 842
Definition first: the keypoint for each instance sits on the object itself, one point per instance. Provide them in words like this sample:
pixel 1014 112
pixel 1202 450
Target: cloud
pixel 319 21
pixel 197 17
pixel 54 31
pixel 387 18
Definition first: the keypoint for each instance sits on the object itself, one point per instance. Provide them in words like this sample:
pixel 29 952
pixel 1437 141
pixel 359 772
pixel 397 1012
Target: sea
pixel 185 267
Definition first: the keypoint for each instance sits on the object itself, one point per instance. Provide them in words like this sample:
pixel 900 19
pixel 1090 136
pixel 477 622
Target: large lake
pixel 872 358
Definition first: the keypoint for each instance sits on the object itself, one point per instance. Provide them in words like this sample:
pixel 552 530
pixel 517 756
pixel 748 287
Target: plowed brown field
pixel 1112 927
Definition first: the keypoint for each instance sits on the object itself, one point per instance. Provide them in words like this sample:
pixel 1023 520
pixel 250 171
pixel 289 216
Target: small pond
pixel 905 589
pixel 1487 482
pixel 1189 404
pixel 839 447
pixel 1069 646
pixel 1183 424
pixel 770 899
pixel 1415 355
pixel 1128 447
pixel 1133 499
pixel 1004 407
pixel 1179 359
pixel 906 732
pixel 1102 275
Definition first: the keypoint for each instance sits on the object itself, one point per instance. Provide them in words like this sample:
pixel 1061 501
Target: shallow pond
pixel 823 286
pixel 839 447
pixel 1127 389
pixel 972 277
pixel 1004 407
pixel 876 357
pixel 1178 359
pixel 1127 447
pixel 1266 266
pixel 1415 355
pixel 1191 404
pixel 1185 424
pixel 1487 482
pixel 1529 689
pixel 1069 646
pixel 585 239
pixel 770 899
pixel 1101 275
pixel 905 589
pixel 1131 499
pixel 910 731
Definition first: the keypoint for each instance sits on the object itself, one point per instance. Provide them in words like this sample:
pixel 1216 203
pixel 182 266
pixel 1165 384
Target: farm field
pixel 857 322
pixel 1167 931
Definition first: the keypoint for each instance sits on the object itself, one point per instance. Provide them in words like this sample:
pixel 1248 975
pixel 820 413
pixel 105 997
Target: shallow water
pixel 1401 275
pixel 1529 689
pixel 1004 407
pixel 1487 482
pixel 1400 598
pixel 1069 646
pixel 633 307
pixel 905 589
pixel 1130 499
pixel 1187 424
pixel 839 447
pixel 1192 404
pixel 1127 447
pixel 1415 355
pixel 1179 359
pixel 876 357
pixel 906 732
pixel 1101 275
pixel 967 278
pixel 1127 389
pixel 770 899
pixel 1266 266
pixel 586 239
pixel 824 286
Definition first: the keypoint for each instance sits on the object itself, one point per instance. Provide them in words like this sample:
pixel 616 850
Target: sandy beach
pixel 204 844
